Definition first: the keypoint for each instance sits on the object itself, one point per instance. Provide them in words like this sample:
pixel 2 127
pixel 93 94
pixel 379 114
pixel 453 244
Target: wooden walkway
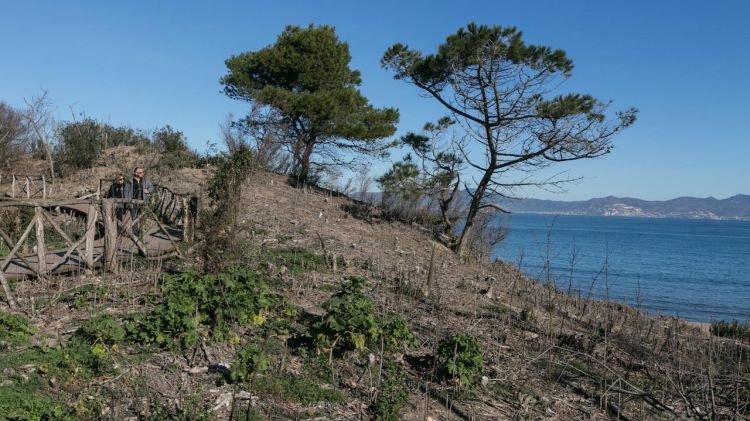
pixel 168 219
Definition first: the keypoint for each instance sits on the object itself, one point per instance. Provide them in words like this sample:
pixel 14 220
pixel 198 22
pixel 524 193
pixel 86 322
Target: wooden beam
pixel 110 235
pixel 44 203
pixel 169 237
pixel 187 221
pixel 8 294
pixel 9 257
pixel 41 249
pixel 90 234
pixel 14 248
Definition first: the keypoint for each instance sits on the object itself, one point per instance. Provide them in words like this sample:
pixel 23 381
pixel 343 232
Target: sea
pixel 697 270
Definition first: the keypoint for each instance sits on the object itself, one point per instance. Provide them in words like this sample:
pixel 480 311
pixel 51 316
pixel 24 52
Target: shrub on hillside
pixel 350 323
pixel 174 148
pixel 459 360
pixel 14 135
pixel 81 142
pixel 196 306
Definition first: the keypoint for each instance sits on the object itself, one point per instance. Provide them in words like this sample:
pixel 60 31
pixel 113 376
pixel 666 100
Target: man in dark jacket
pixel 140 189
pixel 118 190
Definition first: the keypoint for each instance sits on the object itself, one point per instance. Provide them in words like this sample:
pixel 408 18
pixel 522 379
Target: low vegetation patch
pixel 250 361
pixel 350 323
pixel 297 261
pixel 731 330
pixel 392 395
pixel 14 329
pixel 198 306
pixel 459 360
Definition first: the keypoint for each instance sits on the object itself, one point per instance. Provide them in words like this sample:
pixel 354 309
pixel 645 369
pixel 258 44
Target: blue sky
pixel 146 64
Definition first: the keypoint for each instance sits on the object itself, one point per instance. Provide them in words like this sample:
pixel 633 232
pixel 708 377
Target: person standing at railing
pixel 119 190
pixel 141 189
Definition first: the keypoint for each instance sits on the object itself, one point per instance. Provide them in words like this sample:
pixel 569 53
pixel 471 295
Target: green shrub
pixel 196 305
pixel 174 148
pixel 459 360
pixel 731 330
pixel 81 143
pixel 297 261
pixel 396 332
pixel 102 329
pixel 83 296
pixel 93 346
pixel 392 396
pixel 306 390
pixel 350 322
pixel 250 361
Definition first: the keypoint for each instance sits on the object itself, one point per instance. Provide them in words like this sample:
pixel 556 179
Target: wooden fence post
pixel 41 250
pixel 91 217
pixel 28 187
pixel 110 235
pixel 13 186
pixel 44 187
pixel 187 220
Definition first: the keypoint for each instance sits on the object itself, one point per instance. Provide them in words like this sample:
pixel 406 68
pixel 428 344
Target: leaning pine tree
pixel 501 92
pixel 310 95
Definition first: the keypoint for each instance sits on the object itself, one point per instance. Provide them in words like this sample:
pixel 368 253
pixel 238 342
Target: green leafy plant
pixel 396 332
pixel 392 395
pixel 459 360
pixel 94 346
pixel 250 361
pixel 196 306
pixel 349 322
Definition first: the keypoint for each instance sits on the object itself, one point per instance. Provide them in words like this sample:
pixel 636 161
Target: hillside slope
pixel 545 355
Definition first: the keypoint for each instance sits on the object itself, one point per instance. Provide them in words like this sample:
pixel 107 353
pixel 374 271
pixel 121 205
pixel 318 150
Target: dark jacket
pixel 118 191
pixel 140 190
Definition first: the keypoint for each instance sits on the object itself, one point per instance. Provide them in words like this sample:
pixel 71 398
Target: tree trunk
pixel 476 202
pixel 304 164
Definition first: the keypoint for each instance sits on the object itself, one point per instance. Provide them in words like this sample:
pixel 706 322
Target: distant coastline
pixel 735 208
pixel 625 215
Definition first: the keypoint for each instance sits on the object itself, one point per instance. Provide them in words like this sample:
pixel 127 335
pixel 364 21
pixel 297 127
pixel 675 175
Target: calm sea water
pixel 695 269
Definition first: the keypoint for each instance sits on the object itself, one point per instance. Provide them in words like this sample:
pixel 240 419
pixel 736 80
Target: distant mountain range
pixel 734 208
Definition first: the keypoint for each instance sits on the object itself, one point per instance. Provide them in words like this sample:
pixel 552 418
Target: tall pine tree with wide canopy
pixel 501 91
pixel 309 94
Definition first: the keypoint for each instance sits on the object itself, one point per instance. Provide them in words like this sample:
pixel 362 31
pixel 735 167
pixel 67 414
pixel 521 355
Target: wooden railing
pixel 28 186
pixel 176 209
pixel 167 210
